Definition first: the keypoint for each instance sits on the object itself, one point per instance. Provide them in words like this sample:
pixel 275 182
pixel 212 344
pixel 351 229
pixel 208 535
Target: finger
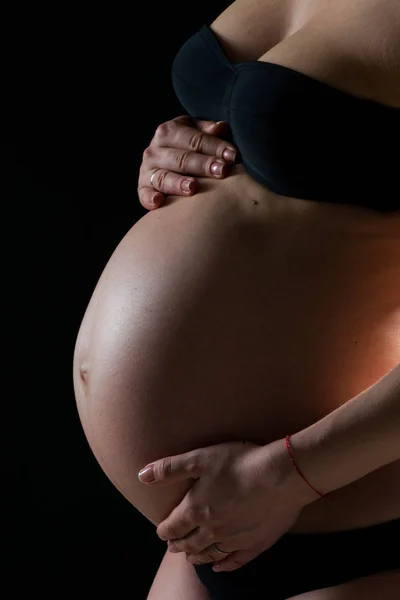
pixel 208 126
pixel 181 522
pixel 176 172
pixel 169 183
pixel 180 163
pixel 208 556
pixel 235 560
pixel 195 543
pixel 172 469
pixel 220 128
pixel 184 161
pixel 166 180
pixel 177 134
pixel 150 198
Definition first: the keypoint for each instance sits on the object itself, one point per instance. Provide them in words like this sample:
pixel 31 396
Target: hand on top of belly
pixel 237 501
pixel 182 146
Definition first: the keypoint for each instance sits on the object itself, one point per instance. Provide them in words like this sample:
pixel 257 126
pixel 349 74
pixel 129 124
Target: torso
pixel 348 331
pixel 330 306
pixel 290 307
pixel 342 44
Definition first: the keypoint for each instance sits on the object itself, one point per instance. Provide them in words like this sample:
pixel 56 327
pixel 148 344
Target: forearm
pixel 355 439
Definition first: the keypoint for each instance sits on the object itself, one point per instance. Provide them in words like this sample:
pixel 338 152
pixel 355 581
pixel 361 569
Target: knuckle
pixel 181 119
pixel 197 459
pixel 196 142
pixel 147 153
pixel 162 131
pixel 163 533
pixel 165 467
pixel 159 180
pixel 155 183
pixel 182 159
pixel 143 196
pixel 206 513
pixel 158 184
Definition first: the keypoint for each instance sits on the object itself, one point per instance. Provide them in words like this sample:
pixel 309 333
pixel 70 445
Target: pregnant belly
pixel 241 314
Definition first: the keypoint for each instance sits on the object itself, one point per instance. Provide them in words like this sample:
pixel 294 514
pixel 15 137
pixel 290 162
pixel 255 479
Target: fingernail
pixel 218 122
pixel 146 475
pixel 229 154
pixel 187 185
pixel 216 568
pixel 216 168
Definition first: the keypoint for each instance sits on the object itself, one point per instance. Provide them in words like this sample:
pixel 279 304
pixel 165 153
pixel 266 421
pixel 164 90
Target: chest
pixel 247 29
pixel 352 46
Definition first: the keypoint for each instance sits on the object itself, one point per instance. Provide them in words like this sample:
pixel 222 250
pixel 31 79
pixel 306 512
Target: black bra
pixel 296 135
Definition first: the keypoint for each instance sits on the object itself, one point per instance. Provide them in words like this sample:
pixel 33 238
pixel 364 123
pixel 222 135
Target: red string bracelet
pixel 289 449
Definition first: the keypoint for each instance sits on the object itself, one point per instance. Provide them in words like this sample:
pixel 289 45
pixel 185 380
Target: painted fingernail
pixel 146 475
pixel 216 168
pixel 217 568
pixel 229 154
pixel 187 185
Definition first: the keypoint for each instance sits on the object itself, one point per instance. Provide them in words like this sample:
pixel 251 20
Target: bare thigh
pixel 177 580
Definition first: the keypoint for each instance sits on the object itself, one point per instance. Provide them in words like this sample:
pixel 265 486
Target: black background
pixel 82 95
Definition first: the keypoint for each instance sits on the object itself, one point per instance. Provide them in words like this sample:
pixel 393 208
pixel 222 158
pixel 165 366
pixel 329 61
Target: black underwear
pixel 300 563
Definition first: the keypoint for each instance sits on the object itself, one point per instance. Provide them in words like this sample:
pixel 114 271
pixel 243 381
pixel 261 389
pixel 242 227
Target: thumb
pixel 172 469
pixel 211 127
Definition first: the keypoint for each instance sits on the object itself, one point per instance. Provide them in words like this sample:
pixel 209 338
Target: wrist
pixel 358 437
pixel 288 476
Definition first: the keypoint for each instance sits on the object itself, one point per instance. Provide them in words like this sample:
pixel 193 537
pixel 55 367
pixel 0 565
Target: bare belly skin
pixel 239 314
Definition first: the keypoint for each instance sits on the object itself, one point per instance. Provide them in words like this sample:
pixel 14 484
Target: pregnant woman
pixel 265 304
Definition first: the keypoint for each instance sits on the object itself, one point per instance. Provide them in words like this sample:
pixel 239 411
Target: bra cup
pixel 298 136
